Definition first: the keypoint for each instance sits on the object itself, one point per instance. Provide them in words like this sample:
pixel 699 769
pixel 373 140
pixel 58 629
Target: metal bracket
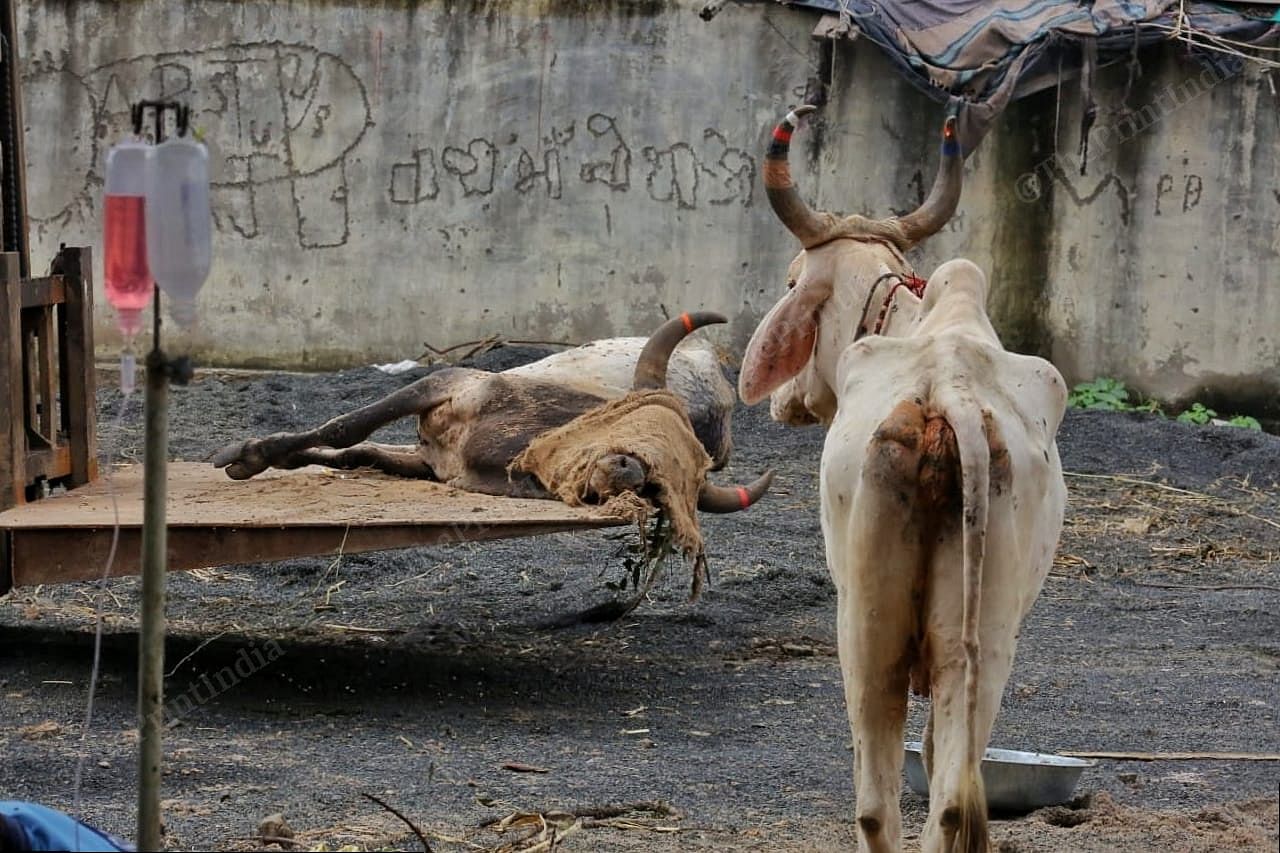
pixel 832 27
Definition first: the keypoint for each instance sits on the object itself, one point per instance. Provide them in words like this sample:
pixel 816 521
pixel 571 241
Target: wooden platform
pixel 215 521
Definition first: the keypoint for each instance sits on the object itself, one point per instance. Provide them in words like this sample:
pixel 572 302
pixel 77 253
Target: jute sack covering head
pixel 650 426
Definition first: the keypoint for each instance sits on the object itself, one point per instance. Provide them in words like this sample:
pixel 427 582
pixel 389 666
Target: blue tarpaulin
pixel 969 47
pixel 983 54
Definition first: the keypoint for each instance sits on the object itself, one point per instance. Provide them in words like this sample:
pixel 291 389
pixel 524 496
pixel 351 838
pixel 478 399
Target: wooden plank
pixel 60 556
pixel 1178 756
pixel 78 380
pixel 47 382
pixel 6 561
pixel 30 393
pixel 37 292
pixel 200 495
pixel 64 371
pixel 215 521
pixel 52 463
pixel 13 439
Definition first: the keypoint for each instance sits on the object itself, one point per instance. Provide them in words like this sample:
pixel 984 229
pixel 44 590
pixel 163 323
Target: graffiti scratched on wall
pixel 283 121
pixel 681 173
pixel 280 119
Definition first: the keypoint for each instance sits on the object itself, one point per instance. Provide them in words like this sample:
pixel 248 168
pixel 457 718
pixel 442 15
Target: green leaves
pixel 1197 414
pixel 1111 395
pixel 1102 393
pixel 1245 422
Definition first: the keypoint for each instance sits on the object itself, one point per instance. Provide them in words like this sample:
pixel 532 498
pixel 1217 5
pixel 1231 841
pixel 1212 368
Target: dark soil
pixel 416 675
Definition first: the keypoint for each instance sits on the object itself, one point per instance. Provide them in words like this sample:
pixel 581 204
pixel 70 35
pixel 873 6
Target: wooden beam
pixel 52 463
pixel 6 562
pixel 37 292
pixel 1178 756
pixel 60 556
pixel 30 379
pixel 78 380
pixel 47 377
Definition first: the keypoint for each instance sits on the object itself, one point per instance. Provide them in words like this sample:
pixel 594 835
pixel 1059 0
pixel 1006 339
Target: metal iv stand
pixel 161 370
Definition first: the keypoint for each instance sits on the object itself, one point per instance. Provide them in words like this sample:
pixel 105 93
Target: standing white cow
pixel 942 502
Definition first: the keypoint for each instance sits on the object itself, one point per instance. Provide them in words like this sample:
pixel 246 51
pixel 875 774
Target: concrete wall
pixel 393 173
pixel 1157 266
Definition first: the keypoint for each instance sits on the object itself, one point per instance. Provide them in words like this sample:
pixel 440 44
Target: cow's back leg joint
pixel 247 458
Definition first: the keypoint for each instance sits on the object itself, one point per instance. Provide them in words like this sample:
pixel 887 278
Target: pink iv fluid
pixel 127 281
pixel 126 277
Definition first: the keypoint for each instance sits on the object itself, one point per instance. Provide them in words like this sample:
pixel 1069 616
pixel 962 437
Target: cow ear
pixel 782 343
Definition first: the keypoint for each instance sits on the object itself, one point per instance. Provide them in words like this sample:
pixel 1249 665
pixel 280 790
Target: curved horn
pixel 928 218
pixel 715 498
pixel 651 367
pixel 808 227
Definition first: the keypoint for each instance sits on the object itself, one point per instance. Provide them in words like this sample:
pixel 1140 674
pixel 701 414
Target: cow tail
pixel 966 422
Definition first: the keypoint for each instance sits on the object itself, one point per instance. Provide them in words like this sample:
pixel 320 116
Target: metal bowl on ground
pixel 1015 781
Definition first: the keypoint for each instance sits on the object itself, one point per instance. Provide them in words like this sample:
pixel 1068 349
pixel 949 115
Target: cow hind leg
pixel 244 459
pixel 873 652
pixel 877 559
pixel 401 460
pixel 957 821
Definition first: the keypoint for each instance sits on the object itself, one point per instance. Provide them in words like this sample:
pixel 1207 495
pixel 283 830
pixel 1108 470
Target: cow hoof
pixel 241 461
pixel 870 826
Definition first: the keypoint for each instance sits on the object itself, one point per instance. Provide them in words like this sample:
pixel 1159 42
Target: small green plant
pixel 1110 395
pixel 1102 393
pixel 1197 414
pixel 1200 414
pixel 1245 422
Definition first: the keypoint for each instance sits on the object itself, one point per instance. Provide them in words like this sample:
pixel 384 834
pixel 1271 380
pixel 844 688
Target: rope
pixel 1180 20
pixel 1220 44
pixel 848 16
pixel 866 306
pixel 913 283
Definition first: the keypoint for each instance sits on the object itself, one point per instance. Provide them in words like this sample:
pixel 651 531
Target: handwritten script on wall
pixel 285 120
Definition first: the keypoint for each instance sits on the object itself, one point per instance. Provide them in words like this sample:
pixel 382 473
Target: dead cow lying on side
pixel 508 433
pixel 942 498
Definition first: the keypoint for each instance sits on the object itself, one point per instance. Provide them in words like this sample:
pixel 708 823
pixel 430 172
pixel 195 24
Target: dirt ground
pixel 430 678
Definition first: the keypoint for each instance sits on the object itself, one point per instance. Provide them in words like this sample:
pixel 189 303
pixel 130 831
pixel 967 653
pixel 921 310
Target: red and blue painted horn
pixel 809 228
pixel 950 144
pixel 780 146
pixel 944 196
